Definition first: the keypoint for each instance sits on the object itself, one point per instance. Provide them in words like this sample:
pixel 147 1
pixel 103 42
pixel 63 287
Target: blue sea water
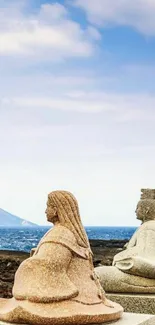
pixel 23 239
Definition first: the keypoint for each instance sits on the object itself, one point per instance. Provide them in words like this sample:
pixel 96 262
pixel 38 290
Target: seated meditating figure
pixel 133 269
pixel 57 284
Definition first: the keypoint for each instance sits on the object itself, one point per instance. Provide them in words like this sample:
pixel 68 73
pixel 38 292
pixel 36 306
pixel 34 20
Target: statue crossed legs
pixel 133 269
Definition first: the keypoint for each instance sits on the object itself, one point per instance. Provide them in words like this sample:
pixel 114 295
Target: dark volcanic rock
pixel 103 253
pixel 105 250
pixel 108 243
pixel 9 263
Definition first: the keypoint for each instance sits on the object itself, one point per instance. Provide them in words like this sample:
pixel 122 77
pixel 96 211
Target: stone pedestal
pixel 127 319
pixel 134 319
pixel 135 303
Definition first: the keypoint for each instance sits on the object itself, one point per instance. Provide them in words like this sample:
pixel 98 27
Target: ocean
pixel 23 239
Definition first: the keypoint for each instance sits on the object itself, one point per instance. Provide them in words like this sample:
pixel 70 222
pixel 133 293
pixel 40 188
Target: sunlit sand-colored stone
pixel 127 319
pixel 57 284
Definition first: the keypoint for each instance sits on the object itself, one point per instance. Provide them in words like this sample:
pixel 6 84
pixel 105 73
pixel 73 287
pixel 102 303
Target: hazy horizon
pixel 77 106
pixel 48 224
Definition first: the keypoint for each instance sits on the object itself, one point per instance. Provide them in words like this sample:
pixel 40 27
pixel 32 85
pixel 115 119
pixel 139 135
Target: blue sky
pixel 77 106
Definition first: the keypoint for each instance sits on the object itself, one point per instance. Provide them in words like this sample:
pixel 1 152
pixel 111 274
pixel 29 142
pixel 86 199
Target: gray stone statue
pixel 133 269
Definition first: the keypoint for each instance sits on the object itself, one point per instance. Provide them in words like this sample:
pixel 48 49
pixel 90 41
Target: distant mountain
pixel 9 220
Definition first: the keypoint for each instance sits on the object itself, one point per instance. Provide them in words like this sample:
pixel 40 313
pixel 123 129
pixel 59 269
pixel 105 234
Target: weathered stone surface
pixel 57 284
pixel 135 319
pixel 133 269
pixel 127 319
pixel 137 303
pixel 103 254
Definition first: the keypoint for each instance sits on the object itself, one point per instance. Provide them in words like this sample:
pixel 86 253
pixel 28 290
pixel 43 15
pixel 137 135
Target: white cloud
pixel 138 14
pixel 65 126
pixel 98 159
pixel 123 106
pixel 48 34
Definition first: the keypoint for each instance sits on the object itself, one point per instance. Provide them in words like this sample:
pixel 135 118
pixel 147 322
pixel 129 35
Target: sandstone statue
pixel 57 284
pixel 133 269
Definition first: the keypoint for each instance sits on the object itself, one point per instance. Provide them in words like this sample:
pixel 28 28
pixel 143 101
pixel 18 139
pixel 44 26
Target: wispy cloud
pixel 123 107
pixel 138 14
pixel 71 116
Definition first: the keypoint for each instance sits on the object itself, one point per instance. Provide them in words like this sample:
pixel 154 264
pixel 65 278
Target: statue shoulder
pixel 148 225
pixel 61 233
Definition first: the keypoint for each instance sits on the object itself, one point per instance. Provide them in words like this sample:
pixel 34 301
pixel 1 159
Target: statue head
pixel 51 212
pixel 145 210
pixel 62 208
pixel 147 193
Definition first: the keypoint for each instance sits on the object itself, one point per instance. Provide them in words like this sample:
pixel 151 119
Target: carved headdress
pixel 69 215
pixel 147 193
pixel 147 202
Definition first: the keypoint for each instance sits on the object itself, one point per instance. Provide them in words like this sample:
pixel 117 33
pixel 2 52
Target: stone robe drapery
pixel 59 270
pixel 139 257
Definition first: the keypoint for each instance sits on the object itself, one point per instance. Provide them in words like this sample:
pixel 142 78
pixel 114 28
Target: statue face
pixel 51 212
pixel 140 212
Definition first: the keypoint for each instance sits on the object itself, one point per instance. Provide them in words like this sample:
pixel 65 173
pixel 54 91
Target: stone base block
pixel 127 319
pixel 134 319
pixel 135 303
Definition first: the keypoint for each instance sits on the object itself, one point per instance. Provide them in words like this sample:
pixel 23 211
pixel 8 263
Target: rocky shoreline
pixel 103 253
pixel 105 250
